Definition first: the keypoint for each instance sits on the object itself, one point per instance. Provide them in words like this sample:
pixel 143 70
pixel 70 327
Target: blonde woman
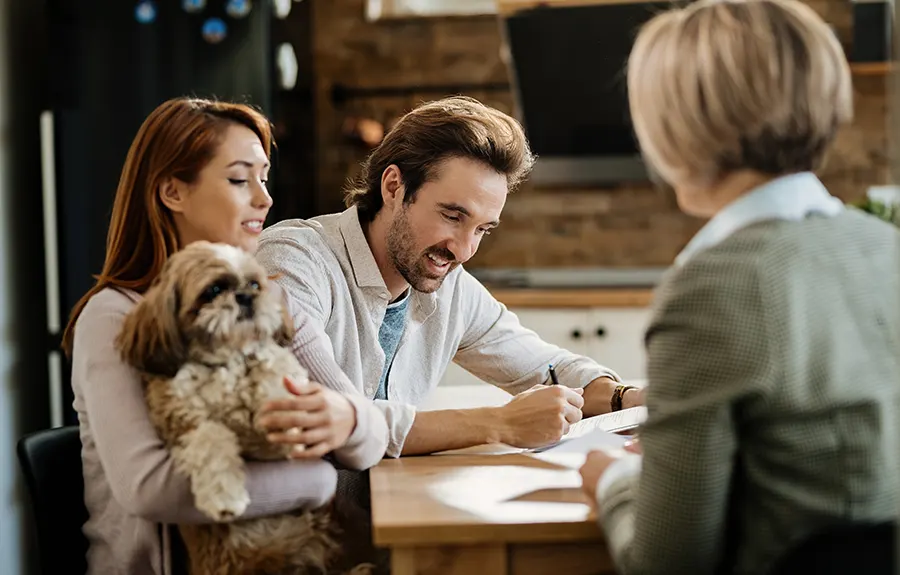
pixel 774 368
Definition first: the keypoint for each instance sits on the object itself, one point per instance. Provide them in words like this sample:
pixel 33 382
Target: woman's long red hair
pixel 175 141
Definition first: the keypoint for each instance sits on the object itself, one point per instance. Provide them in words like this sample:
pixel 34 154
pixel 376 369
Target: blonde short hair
pixel 724 85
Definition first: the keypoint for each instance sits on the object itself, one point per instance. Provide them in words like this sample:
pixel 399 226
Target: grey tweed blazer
pixel 773 398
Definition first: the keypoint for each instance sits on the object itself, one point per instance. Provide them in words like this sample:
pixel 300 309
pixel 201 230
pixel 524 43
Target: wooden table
pixel 484 515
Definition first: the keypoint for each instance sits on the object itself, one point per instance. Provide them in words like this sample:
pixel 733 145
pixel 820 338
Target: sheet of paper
pixel 608 423
pixel 613 422
pixel 573 451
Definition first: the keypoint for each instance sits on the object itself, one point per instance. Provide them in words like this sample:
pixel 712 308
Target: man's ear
pixel 172 193
pixel 392 190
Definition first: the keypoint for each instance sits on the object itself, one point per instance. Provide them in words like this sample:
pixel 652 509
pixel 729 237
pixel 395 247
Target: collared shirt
pixel 792 197
pixel 327 269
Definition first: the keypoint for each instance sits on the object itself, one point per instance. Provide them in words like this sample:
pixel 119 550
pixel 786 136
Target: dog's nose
pixel 245 303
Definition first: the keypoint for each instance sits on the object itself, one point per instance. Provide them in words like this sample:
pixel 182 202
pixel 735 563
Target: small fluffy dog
pixel 209 339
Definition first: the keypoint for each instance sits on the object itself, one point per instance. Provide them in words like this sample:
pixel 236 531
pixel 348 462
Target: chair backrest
pixel 51 463
pixel 854 549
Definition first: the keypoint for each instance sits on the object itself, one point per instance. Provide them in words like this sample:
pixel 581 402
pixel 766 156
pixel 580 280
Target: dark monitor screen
pixel 569 72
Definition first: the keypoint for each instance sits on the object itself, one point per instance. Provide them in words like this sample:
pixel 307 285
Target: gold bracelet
pixel 615 402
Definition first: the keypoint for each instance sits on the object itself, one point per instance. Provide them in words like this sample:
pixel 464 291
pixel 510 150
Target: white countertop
pixel 470 396
pixel 594 277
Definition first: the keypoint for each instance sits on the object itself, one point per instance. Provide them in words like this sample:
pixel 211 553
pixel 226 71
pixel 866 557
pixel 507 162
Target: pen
pixel 553 376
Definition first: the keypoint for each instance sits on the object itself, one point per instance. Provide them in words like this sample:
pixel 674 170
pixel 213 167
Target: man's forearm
pixel 434 431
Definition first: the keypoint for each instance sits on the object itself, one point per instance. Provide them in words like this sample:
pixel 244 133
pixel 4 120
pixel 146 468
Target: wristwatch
pixel 615 402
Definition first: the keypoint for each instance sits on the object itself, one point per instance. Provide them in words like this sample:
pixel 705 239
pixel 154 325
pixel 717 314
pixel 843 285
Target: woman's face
pixel 228 201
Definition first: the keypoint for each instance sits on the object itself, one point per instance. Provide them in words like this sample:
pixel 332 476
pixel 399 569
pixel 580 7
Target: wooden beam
pixel 509 7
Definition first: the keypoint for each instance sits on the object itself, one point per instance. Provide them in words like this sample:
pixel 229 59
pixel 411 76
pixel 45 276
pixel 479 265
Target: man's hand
pixel 317 421
pixel 598 393
pixel 633 398
pixel 539 416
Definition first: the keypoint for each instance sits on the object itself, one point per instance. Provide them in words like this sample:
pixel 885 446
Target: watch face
pixel 214 30
pixel 145 11
pixel 237 8
pixel 193 6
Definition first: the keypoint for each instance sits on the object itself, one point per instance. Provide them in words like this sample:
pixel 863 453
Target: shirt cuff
pixel 361 405
pixel 400 418
pixel 625 468
pixel 583 373
pixel 366 445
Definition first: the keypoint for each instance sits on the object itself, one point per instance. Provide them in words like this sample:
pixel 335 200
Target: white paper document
pixel 608 424
pixel 599 432
pixel 613 422
pixel 573 451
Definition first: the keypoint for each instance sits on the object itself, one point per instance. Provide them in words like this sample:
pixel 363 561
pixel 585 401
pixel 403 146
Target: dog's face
pixel 208 297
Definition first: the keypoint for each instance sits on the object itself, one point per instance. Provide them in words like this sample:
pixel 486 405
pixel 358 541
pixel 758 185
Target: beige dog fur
pixel 210 339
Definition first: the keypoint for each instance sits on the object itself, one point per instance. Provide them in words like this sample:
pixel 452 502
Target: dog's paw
pixel 223 499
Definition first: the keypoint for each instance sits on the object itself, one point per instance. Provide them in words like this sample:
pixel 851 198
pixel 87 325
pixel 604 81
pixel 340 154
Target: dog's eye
pixel 213 291
pixel 253 284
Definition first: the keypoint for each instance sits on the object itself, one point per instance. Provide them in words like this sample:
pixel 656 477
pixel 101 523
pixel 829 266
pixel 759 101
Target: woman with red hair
pixel 196 170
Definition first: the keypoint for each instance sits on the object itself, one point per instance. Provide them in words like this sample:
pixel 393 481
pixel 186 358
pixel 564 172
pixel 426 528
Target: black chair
pixel 855 549
pixel 51 463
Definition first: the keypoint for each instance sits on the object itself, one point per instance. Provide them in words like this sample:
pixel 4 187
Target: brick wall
pixel 618 227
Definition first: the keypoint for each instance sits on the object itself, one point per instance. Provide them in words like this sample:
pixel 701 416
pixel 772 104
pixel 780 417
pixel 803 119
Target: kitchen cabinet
pixel 611 336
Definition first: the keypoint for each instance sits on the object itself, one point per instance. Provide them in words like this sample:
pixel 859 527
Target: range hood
pixel 567 67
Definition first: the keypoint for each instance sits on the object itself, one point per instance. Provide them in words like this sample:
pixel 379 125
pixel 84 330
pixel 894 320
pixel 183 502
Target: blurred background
pixel 78 78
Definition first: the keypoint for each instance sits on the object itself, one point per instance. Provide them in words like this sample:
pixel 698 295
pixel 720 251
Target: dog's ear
pixel 150 339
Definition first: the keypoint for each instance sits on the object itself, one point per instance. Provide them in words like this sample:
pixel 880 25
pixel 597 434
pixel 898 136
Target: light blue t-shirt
pixel 389 337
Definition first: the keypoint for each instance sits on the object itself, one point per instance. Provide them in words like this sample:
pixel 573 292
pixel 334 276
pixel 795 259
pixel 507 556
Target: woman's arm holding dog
pixel 136 464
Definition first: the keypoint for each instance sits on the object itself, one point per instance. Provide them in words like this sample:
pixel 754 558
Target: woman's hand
pixel 592 470
pixel 317 421
pixel 596 465
pixel 633 445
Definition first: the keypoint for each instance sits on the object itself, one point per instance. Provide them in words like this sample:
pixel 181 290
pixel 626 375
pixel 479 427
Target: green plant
pixel 881 210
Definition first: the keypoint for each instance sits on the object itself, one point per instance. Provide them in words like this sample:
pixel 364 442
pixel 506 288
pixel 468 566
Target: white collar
pixel 791 197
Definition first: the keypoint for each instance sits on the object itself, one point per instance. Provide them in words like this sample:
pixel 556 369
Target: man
pixel 384 280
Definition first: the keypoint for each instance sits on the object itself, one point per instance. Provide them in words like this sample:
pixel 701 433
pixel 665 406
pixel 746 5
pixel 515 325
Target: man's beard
pixel 412 265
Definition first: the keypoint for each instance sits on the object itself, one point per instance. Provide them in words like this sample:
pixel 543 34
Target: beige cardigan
pixel 131 487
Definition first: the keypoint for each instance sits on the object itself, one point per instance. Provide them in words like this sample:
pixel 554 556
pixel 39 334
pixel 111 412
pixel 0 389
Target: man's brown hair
pixel 456 127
